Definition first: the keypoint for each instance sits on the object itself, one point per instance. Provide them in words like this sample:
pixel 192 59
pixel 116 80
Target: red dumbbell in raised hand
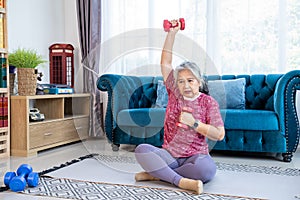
pixel 168 24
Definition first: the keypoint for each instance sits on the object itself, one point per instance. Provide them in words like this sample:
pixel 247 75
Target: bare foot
pixel 145 176
pixel 191 184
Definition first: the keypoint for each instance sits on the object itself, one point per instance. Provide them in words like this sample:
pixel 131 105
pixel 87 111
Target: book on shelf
pixel 1 3
pixel 3 71
pixel 1 31
pixel 3 111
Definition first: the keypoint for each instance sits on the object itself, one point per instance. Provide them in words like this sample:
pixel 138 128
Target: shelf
pixel 66 120
pixel 54 120
pixel 51 96
pixel 3 50
pixel 2 10
pixel 3 129
pixel 4 92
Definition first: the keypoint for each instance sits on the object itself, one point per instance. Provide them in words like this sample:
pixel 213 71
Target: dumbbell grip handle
pixel 181 125
pixel 173 26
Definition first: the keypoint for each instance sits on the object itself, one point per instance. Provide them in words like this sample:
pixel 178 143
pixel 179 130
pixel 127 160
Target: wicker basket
pixel 27 80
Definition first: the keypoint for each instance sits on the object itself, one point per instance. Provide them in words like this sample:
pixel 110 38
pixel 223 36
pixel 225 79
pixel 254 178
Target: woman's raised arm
pixel 166 55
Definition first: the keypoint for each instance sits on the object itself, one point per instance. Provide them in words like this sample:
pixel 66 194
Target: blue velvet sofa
pixel 267 122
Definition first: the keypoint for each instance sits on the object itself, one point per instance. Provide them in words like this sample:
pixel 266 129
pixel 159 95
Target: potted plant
pixel 26 60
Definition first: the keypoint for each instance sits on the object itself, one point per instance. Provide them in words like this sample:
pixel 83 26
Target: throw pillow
pixel 228 93
pixel 162 95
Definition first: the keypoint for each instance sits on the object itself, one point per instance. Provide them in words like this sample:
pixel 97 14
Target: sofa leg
pixel 115 147
pixel 287 157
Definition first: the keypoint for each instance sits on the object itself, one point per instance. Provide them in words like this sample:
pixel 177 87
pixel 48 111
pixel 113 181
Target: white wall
pixel 36 24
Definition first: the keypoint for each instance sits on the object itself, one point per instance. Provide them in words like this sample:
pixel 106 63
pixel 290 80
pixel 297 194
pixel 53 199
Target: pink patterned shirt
pixel 181 142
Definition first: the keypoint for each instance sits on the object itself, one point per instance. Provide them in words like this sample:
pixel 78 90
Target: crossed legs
pixel 186 173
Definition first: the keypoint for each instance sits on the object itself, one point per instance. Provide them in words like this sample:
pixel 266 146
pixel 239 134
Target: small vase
pixel 27 80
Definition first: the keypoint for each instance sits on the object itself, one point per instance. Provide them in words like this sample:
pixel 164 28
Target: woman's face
pixel 188 84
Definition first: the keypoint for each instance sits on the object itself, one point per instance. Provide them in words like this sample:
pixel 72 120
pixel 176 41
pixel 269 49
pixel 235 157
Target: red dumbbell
pixel 168 24
pixel 181 125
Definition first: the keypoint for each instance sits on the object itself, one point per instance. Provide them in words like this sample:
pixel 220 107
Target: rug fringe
pixel 67 164
pixel 42 173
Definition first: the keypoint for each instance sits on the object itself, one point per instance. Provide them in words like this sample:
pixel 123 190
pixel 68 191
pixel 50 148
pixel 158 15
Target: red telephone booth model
pixel 62 64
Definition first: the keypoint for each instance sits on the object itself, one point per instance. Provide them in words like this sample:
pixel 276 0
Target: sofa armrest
pixel 125 92
pixel 106 83
pixel 285 107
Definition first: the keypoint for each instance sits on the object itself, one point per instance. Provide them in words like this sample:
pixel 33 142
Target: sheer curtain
pixel 89 23
pixel 249 36
pixel 141 21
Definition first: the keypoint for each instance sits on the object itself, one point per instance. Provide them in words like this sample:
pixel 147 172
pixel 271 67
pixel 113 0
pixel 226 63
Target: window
pixel 293 34
pixel 248 36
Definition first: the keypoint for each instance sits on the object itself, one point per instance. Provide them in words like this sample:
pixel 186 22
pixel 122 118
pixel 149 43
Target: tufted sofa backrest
pixel 144 95
pixel 259 89
pixel 140 91
pixel 135 91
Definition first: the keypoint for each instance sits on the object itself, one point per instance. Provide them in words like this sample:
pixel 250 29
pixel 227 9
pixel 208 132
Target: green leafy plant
pixel 25 58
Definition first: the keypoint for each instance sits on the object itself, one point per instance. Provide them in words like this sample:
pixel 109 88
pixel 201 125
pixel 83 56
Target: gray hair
pixel 193 67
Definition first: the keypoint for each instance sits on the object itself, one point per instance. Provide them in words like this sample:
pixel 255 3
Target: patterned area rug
pixel 75 189
pixel 275 170
pixel 72 188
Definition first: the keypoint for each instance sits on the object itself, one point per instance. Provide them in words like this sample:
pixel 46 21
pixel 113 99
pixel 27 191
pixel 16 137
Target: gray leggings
pixel 160 164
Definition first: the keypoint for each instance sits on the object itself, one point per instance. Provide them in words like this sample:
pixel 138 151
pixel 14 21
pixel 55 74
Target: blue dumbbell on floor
pixel 18 181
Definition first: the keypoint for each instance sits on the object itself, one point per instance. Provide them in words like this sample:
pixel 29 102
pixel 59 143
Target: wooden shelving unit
pixel 4 90
pixel 66 120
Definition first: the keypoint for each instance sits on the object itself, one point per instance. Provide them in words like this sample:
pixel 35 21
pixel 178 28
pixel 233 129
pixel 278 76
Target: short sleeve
pixel 214 117
pixel 171 86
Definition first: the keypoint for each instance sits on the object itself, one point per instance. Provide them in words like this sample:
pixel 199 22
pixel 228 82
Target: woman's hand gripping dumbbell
pixel 168 24
pixel 186 113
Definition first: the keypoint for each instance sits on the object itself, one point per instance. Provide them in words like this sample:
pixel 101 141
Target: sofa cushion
pixel 228 93
pixel 250 119
pixel 151 117
pixel 162 95
pixel 247 119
